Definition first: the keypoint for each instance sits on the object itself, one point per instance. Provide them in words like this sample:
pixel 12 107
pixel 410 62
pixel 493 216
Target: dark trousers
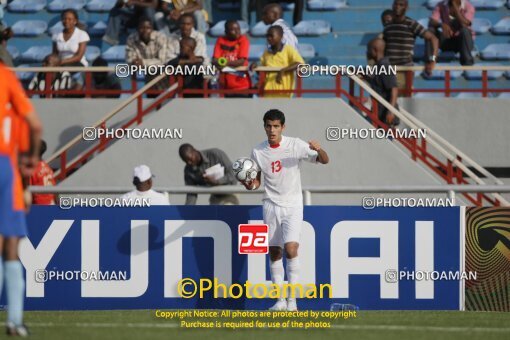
pixel 299 6
pixel 462 43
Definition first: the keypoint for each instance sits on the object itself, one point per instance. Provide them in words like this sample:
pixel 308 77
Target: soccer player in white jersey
pixel 279 159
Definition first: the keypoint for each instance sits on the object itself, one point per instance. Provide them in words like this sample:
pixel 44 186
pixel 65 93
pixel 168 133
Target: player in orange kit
pixel 14 107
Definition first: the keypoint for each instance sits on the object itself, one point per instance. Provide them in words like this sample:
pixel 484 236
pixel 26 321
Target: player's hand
pixel 279 76
pixel 27 165
pixel 314 145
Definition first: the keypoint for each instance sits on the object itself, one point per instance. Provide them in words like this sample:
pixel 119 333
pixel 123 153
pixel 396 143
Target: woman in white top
pixel 71 43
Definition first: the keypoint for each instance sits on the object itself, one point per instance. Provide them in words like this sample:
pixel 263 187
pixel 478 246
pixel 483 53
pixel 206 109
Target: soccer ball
pixel 245 169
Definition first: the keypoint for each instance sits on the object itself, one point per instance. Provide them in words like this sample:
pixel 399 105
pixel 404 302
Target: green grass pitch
pixel 395 325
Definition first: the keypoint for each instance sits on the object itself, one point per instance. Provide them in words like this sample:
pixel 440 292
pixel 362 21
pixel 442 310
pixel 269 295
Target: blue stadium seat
pixel 228 5
pixel 92 53
pixel 219 29
pixel 481 25
pixel 55 29
pixel 29 28
pixel 496 52
pixel 312 28
pixel 13 51
pixel 26 6
pixel 100 5
pixel 98 30
pixel 477 75
pixel 440 74
pixel 477 95
pixel 306 50
pixel 60 5
pixel 26 76
pixel 256 51
pixel 428 95
pixel 115 53
pixel 287 6
pixel 488 4
pixel 502 26
pixel 259 30
pixel 424 22
pixel 432 3
pixel 326 5
pixel 36 53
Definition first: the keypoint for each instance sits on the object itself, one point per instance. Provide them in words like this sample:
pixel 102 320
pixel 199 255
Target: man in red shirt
pixel 234 47
pixel 43 175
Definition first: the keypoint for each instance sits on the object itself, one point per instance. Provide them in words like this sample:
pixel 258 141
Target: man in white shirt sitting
pixel 142 180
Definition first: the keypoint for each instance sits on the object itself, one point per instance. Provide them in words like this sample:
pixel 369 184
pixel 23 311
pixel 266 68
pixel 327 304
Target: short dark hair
pixel 187 15
pixel 189 40
pixel 143 19
pixel 72 11
pixel 274 114
pixel 184 149
pixel 386 12
pixel 277 28
pixel 230 22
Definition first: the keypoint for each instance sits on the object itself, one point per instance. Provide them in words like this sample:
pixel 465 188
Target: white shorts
pixel 284 223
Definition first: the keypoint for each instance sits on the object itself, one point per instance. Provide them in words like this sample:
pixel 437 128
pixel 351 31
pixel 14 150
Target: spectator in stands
pixel 283 56
pixel 142 180
pixel 234 47
pixel 187 57
pixel 299 6
pixel 384 84
pixel 273 16
pixel 5 56
pixel 454 17
pixel 167 20
pixel 148 47
pixel 386 17
pixel 187 30
pixel 43 176
pixel 105 80
pixel 71 43
pixel 125 14
pixel 400 36
pixel 60 81
pixel 197 162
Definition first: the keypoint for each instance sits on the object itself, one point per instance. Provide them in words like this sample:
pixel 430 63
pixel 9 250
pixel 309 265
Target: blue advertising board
pixel 133 258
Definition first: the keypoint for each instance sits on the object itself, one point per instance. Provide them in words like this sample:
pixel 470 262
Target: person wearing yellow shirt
pixel 282 56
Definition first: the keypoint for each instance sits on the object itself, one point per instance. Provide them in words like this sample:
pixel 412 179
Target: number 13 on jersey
pixel 276 166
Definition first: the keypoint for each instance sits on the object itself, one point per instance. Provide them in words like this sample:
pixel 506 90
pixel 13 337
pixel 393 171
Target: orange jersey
pixel 14 106
pixel 43 175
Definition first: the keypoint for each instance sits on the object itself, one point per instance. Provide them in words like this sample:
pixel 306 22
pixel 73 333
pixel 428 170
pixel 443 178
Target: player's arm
pixel 255 184
pixel 322 156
